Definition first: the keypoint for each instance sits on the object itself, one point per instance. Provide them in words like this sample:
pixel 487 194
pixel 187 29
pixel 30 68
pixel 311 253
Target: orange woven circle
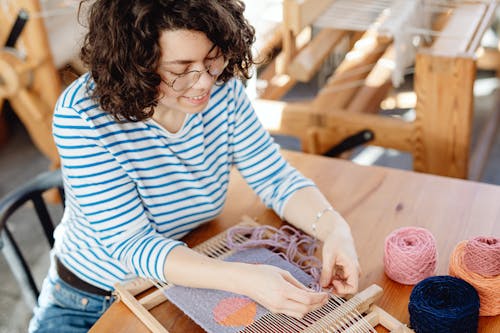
pixel 488 287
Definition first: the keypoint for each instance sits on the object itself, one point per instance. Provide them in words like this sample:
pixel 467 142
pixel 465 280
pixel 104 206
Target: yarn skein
pixel 482 256
pixel 444 304
pixel 410 255
pixel 477 261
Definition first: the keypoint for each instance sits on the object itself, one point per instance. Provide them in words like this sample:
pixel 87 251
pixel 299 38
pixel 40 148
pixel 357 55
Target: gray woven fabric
pixel 199 304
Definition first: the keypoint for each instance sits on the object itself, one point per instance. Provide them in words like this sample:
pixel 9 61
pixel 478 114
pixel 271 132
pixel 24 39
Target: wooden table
pixel 375 201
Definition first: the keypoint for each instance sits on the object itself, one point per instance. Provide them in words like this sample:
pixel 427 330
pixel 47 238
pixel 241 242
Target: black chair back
pixel 32 192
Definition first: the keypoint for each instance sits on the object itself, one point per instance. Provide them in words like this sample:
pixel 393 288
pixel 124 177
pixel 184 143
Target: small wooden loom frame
pixel 130 294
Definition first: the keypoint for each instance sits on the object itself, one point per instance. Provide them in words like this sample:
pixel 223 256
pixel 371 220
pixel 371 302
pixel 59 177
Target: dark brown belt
pixel 70 278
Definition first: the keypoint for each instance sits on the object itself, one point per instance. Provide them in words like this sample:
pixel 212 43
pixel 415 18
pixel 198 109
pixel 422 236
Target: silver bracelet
pixel 318 216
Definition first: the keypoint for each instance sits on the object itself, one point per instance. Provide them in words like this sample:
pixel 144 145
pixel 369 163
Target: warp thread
pixel 290 243
pixel 444 304
pixel 410 255
pixel 477 261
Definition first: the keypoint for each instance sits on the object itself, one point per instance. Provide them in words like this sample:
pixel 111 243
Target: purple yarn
pixel 291 244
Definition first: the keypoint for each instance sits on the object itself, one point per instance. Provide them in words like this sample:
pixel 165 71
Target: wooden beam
pixel 488 59
pixel 443 125
pixel 144 315
pixel 308 61
pixel 15 74
pixel 46 79
pixel 291 45
pixel 484 143
pixel 35 115
pixel 279 82
pixel 277 85
pixel 7 21
pixel 389 132
pixel 297 14
pixel 269 38
pixel 376 86
pixel 287 53
pixel 399 100
pixel 351 73
pixel 285 118
pixel 297 119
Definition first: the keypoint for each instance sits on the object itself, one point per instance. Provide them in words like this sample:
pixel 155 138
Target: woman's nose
pixel 205 80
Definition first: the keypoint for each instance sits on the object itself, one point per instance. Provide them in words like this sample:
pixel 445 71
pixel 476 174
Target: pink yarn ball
pixel 410 255
pixel 482 256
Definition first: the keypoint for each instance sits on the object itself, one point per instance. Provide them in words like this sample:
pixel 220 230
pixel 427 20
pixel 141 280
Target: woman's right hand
pixel 278 291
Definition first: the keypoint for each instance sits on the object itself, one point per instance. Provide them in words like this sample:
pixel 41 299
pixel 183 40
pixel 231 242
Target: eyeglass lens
pixel 189 79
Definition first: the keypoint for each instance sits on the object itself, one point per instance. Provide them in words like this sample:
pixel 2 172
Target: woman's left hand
pixel 341 268
pixel 340 260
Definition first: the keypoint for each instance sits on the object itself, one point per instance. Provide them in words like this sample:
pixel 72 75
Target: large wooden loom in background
pixel 358 314
pixel 445 69
pixel 438 139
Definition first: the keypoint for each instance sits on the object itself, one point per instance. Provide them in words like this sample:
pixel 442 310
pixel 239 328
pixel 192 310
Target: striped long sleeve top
pixel 134 189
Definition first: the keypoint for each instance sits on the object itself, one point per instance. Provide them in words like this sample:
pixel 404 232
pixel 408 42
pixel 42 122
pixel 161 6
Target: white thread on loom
pixel 333 61
pixel 336 314
pixel 400 19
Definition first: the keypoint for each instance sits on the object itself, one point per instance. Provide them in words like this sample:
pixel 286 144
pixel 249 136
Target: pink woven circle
pixel 482 256
pixel 410 255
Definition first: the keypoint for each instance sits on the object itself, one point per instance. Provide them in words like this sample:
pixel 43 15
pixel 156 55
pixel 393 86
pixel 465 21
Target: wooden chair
pixel 439 137
pixel 31 192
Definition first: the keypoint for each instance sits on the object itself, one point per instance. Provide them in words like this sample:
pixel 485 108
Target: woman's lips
pixel 200 99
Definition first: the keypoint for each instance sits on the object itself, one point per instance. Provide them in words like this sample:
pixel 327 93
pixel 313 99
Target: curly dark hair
pixel 122 48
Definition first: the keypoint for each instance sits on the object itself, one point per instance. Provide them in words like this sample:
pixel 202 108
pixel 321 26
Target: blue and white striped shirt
pixel 133 189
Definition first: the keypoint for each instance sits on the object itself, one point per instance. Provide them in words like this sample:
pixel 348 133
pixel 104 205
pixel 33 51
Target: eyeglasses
pixel 187 80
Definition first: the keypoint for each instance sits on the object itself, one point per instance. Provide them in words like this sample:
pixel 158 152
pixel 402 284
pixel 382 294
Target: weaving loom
pixel 357 314
pixel 442 45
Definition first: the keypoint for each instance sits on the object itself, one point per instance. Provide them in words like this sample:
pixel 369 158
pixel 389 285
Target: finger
pixel 347 283
pixel 342 288
pixel 306 297
pixel 351 276
pixel 339 287
pixel 293 314
pixel 298 310
pixel 352 280
pixel 291 279
pixel 298 292
pixel 327 271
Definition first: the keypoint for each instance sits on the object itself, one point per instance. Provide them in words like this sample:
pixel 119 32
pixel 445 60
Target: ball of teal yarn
pixel 444 304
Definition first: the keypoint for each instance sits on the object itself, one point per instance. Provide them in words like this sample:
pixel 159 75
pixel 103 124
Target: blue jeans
pixel 62 308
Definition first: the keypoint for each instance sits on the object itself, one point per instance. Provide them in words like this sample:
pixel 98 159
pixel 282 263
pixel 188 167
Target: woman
pixel 147 139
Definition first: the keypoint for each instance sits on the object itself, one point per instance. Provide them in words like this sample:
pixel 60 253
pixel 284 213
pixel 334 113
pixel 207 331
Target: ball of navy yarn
pixel 444 304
